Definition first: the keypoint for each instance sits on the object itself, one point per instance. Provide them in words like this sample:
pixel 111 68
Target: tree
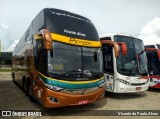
pixel 6 58
pixel 3 62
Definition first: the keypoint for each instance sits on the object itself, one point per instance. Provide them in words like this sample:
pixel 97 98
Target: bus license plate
pixel 82 102
pixel 138 88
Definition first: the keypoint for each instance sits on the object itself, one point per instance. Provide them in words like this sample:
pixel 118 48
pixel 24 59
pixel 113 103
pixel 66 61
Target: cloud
pixel 12 46
pixel 7 41
pixel 150 33
pixel 4 35
pixel 3 30
pixel 4 26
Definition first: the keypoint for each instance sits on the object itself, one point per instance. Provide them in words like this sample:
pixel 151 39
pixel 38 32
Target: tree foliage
pixel 5 58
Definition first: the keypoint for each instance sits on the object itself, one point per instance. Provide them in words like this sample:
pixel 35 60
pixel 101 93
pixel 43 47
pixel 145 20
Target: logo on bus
pixel 75 41
pixel 156 82
pixel 84 91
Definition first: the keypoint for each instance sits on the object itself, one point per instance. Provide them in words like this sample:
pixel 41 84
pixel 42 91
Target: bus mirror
pixel 46 36
pixel 123 47
pixel 112 43
pixel 48 40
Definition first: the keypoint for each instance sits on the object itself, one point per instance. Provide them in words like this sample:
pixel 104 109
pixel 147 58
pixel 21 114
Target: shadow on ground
pixel 17 100
pixel 154 90
pixel 125 96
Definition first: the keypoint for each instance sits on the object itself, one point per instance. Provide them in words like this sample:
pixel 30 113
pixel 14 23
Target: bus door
pixel 43 44
pixel 108 66
pixel 40 65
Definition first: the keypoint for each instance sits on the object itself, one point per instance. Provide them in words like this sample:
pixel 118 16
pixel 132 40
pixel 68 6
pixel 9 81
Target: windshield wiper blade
pixel 82 74
pixel 140 63
pixel 72 73
pixel 97 74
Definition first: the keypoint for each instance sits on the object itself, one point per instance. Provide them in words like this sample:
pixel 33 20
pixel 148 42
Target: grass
pixel 5 70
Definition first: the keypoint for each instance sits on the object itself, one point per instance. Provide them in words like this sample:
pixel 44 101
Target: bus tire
pixel 13 77
pixel 107 93
pixel 27 87
pixel 29 90
pixel 23 84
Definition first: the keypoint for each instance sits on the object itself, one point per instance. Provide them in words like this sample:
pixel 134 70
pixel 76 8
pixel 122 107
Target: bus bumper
pixel 53 99
pixel 129 89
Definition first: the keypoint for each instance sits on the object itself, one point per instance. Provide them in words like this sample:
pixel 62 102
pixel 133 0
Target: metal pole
pixel 0 48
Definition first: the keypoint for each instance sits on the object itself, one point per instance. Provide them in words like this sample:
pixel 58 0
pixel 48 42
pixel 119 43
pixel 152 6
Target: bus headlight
pixel 51 87
pixel 54 88
pixel 123 81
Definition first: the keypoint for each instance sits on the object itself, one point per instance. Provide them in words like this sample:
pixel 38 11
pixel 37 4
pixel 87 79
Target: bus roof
pixel 69 24
pixel 153 46
pixel 113 34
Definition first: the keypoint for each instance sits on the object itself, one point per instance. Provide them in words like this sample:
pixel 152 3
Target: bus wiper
pixel 97 74
pixel 82 74
pixel 73 74
pixel 140 63
pixel 135 70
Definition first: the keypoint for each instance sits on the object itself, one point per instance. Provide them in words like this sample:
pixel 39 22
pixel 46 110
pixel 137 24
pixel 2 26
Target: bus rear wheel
pixel 13 77
pixel 29 91
pixel 24 85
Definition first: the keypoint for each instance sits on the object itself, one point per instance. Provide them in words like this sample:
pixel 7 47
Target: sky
pixel 139 18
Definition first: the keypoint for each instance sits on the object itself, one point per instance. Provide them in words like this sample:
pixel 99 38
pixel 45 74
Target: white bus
pixel 128 71
pixel 153 55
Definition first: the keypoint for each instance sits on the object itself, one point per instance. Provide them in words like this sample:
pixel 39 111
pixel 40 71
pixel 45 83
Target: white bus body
pixel 125 73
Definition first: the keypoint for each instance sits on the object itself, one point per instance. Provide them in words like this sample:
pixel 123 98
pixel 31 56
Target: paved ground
pixel 13 98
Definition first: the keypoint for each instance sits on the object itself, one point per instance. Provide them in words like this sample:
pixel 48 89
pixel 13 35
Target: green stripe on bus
pixel 70 85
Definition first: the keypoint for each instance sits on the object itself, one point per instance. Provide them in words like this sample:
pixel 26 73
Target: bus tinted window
pixel 106 38
pixel 153 63
pixel 71 25
pixel 158 46
pixel 149 46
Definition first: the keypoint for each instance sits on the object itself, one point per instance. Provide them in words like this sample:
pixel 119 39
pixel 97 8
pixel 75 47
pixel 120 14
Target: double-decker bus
pixel 153 55
pixel 128 71
pixel 58 61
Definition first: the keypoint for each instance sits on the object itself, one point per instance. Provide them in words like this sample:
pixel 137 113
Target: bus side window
pixel 154 63
pixel 41 62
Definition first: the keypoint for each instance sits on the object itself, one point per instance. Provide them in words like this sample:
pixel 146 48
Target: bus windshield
pixel 134 63
pixel 74 61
